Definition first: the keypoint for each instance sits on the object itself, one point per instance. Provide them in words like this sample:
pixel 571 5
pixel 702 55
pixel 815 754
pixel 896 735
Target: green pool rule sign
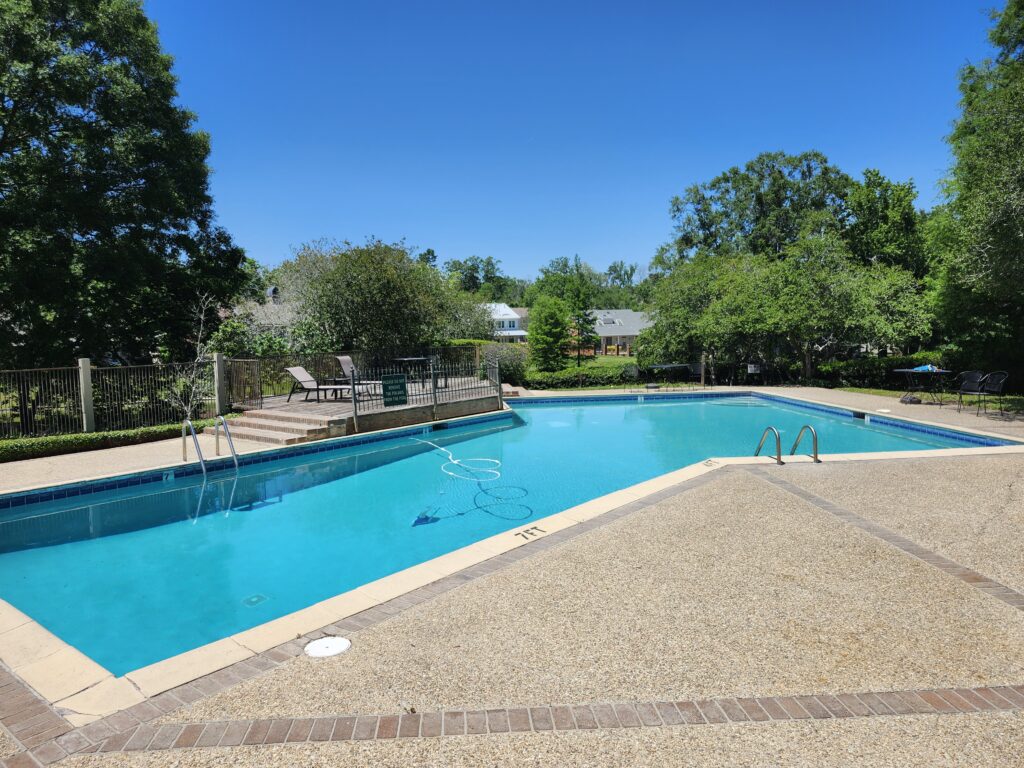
pixel 395 390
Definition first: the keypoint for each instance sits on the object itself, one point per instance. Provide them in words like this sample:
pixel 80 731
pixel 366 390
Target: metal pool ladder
pixel 778 443
pixel 231 443
pixel 188 425
pixel 814 442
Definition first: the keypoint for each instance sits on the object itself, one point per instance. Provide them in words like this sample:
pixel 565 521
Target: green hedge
pixel 470 342
pixel 592 375
pixel 56 445
pixel 874 372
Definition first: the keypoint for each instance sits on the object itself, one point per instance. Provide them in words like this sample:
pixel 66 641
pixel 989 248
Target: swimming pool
pixel 168 562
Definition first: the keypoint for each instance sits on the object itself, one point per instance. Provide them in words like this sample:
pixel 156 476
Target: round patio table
pixel 929 382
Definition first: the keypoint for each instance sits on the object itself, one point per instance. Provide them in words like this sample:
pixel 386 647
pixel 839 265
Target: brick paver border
pixel 606 715
pixel 48 738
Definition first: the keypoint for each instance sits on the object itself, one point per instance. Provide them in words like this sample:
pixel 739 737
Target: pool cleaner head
pixel 424 518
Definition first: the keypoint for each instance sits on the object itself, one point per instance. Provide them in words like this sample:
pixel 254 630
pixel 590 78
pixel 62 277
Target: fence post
pixel 220 384
pixel 433 389
pixel 85 391
pixel 355 400
pixel 497 376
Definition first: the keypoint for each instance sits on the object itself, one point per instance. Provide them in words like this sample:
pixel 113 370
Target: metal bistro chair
pixel 968 383
pixel 992 386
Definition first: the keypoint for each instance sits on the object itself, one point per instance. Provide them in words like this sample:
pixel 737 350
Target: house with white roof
pixel 507 324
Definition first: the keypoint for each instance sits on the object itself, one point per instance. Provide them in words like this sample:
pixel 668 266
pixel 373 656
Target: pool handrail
pixel 227 433
pixel 814 442
pixel 778 443
pixel 188 425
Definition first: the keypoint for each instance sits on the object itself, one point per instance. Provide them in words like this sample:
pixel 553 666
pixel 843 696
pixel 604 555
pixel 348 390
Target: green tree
pixel 620 274
pixel 980 237
pixel 374 296
pixel 881 225
pixel 548 333
pixel 581 319
pixel 106 221
pixel 761 208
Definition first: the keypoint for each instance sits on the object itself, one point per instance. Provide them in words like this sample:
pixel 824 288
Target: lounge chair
pixel 348 370
pixel 304 382
pixel 968 383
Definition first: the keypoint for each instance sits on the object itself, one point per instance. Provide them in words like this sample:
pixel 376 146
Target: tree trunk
pixel 808 364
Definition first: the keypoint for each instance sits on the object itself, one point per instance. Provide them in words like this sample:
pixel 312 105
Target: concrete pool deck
pixel 681 597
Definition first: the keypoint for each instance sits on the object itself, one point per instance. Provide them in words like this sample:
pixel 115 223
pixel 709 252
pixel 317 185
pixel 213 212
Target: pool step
pixel 264 435
pixel 280 425
pixel 289 416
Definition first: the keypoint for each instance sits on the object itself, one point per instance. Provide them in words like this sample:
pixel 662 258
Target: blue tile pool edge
pixel 86 487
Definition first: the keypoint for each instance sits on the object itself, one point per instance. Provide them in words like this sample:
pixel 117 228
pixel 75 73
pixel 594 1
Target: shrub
pixel 874 372
pixel 511 360
pixel 470 342
pixel 56 445
pixel 591 374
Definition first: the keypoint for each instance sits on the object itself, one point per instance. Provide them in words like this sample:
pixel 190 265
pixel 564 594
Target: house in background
pixel 507 325
pixel 618 329
pixel 524 313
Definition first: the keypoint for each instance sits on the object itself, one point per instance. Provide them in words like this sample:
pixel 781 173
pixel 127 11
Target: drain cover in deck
pixel 328 646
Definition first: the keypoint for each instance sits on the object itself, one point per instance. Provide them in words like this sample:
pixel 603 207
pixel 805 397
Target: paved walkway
pixel 54 470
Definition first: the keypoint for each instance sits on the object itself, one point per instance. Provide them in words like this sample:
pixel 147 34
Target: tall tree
pixel 981 293
pixel 881 224
pixel 375 296
pixel 107 230
pixel 620 274
pixel 548 333
pixel 581 319
pixel 761 208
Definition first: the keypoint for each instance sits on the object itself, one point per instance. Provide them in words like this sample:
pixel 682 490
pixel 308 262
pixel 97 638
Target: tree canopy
pixel 977 238
pixel 374 296
pixel 790 261
pixel 107 230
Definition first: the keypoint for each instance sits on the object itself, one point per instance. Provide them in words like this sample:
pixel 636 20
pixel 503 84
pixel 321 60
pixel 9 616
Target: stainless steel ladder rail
pixel 227 433
pixel 188 425
pixel 814 442
pixel 778 443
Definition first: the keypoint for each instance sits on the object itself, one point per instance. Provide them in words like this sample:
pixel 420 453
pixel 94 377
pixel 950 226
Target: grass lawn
pixel 1011 403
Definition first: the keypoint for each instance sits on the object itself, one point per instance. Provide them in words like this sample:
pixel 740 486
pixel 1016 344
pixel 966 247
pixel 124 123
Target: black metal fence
pixel 425 380
pixel 50 401
pixel 251 381
pixel 130 396
pixel 44 401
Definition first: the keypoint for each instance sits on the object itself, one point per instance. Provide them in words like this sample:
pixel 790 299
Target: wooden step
pixel 263 435
pixel 277 425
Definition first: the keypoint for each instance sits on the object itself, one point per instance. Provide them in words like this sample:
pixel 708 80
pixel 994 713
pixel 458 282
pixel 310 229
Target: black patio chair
pixel 992 386
pixel 968 383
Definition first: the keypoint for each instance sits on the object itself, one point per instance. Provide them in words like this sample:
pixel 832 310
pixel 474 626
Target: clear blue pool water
pixel 136 575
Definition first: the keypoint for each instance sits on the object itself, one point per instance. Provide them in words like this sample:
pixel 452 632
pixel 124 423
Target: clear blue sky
pixel 530 130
